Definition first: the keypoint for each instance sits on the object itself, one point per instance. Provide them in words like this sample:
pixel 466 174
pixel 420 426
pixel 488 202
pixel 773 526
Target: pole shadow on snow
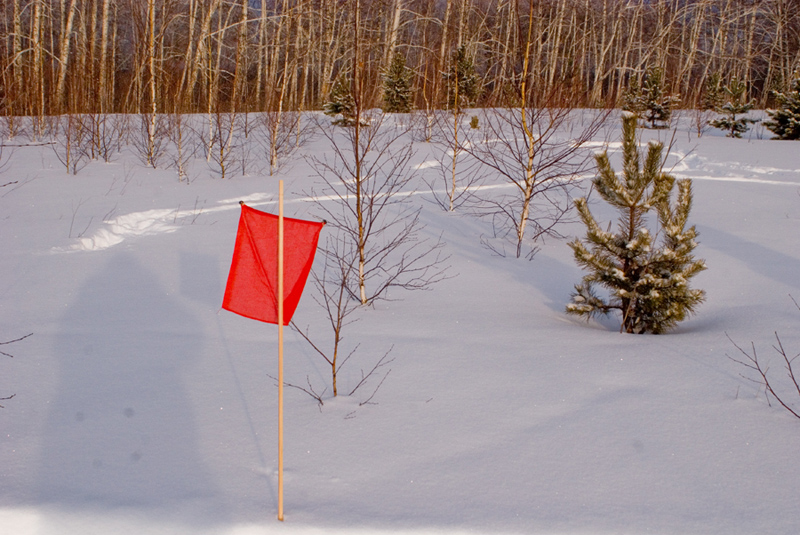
pixel 121 430
pixel 201 281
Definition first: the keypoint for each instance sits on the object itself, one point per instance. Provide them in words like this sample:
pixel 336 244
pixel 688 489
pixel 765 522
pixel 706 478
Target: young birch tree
pixel 539 148
pixel 368 177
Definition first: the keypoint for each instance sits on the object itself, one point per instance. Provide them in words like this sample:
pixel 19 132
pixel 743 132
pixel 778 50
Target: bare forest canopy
pixel 167 56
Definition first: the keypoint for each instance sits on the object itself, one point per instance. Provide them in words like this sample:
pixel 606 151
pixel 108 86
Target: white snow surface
pixel 141 407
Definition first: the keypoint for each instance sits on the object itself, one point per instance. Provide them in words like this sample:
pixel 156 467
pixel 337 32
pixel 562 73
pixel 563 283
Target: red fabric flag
pixel 252 289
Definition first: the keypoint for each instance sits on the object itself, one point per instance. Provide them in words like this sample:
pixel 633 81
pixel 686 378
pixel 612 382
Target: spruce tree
pixel 785 121
pixel 397 95
pixel 735 106
pixel 713 93
pixel 648 101
pixel 632 95
pixel 341 104
pixel 646 283
pixel 463 87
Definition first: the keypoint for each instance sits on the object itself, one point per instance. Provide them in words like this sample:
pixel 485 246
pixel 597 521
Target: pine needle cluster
pixel 647 282
pixel 785 120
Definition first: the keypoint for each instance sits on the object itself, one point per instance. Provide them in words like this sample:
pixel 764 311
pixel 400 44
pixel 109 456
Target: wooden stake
pixel 280 350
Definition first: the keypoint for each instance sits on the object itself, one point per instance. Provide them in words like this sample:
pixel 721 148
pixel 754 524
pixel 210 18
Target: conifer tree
pixel 632 95
pixel 713 93
pixel 463 87
pixel 341 104
pixel 648 285
pixel 647 100
pixel 397 94
pixel 785 121
pixel 735 106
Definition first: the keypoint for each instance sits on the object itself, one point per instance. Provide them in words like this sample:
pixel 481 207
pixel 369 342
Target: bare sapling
pixel 787 391
pixel 537 145
pixel 281 134
pixel 246 134
pixel 72 142
pixel 150 140
pixel 462 89
pixel 541 152
pixel 332 294
pixel 458 172
pixel 423 120
pixel 105 135
pixel 368 181
pixel 183 147
pixel 222 145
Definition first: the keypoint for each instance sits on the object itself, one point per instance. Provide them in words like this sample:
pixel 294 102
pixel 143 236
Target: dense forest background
pixel 168 56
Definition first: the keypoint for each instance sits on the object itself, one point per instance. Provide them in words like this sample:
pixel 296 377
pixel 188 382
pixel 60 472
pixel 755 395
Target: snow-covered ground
pixel 143 408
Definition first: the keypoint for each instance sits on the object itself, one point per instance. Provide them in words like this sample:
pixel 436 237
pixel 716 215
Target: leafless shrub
pixel 331 293
pixel 458 171
pixel 149 140
pixel 701 118
pixel 75 210
pixel 180 136
pixel 73 142
pixel 222 143
pixel 781 391
pixel 5 158
pixel 281 133
pixel 105 135
pixel 11 126
pixel 422 125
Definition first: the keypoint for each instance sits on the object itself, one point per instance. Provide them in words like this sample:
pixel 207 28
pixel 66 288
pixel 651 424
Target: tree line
pixel 183 56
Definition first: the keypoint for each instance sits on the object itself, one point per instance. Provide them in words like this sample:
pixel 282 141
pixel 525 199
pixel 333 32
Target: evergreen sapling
pixel 647 100
pixel 713 93
pixel 648 285
pixel 785 120
pixel 397 94
pixel 341 104
pixel 463 87
pixel 736 106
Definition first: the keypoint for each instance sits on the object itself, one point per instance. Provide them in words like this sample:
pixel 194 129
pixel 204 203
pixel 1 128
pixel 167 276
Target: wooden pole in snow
pixel 280 350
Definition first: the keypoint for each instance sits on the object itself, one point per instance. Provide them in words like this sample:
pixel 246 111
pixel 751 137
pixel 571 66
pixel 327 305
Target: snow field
pixel 141 407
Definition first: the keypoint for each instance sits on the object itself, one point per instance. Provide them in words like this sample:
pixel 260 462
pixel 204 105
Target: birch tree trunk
pixel 391 42
pixel 63 60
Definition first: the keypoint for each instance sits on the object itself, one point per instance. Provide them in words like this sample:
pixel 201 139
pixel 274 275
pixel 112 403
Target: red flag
pixel 252 289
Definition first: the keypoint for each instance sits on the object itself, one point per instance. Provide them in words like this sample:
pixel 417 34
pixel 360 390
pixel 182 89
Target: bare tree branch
pixel 751 362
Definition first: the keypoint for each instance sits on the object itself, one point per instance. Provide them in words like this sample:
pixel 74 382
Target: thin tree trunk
pixel 103 75
pixel 393 31
pixel 63 60
pixel 16 61
pixel 357 99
